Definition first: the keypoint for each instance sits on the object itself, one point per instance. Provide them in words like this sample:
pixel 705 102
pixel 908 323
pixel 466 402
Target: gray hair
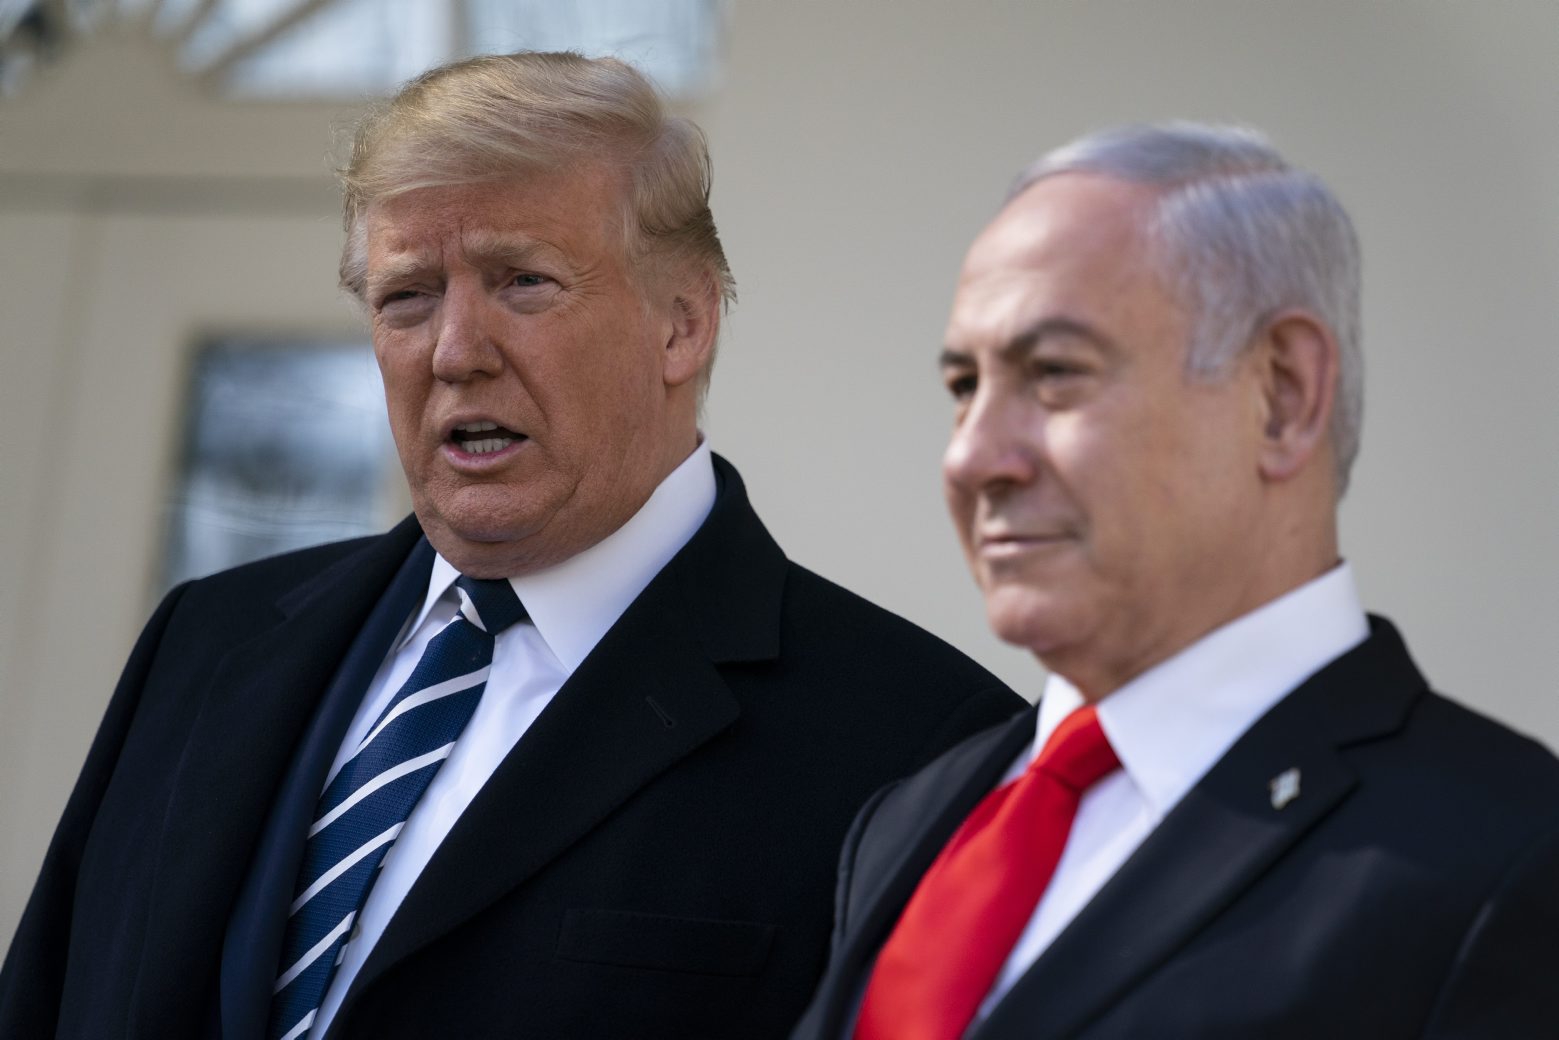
pixel 505 115
pixel 1238 234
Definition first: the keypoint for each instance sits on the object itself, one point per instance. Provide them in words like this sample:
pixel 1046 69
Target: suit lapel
pixel 1219 839
pixel 254 936
pixel 1226 833
pixel 256 706
pixel 647 696
pixel 904 837
pixel 634 709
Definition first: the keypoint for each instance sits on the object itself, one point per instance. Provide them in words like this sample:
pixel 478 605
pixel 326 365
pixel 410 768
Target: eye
pixel 401 303
pixel 527 292
pixel 1049 369
pixel 960 385
pixel 1062 382
pixel 403 308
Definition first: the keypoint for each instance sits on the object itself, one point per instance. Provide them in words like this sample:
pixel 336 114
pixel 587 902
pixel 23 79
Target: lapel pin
pixel 1284 787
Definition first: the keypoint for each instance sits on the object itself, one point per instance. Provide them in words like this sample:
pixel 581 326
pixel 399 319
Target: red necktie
pixel 974 902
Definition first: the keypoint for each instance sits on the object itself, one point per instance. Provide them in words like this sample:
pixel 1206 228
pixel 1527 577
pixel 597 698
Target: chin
pixel 473 558
pixel 476 546
pixel 476 513
pixel 1033 621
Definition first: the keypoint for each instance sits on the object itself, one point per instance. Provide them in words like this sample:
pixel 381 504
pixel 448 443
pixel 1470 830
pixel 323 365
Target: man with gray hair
pixel 567 754
pixel 1238 809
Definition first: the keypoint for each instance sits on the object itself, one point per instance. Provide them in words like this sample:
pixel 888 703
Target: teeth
pixel 487 445
pixel 477 427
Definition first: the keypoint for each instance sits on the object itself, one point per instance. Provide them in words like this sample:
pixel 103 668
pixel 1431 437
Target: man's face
pixel 522 365
pixel 1100 493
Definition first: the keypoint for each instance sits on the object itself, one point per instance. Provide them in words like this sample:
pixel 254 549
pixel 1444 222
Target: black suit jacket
pixel 1411 889
pixel 654 859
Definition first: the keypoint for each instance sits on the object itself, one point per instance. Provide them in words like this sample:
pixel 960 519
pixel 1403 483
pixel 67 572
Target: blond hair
pixel 507 115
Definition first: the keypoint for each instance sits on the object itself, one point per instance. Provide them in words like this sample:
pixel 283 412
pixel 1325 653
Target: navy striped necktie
pixel 366 804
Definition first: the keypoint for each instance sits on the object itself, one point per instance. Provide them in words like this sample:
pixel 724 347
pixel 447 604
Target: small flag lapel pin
pixel 1284 787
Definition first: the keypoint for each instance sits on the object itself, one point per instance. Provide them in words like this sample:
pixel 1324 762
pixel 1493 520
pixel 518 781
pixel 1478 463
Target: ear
pixel 1298 356
pixel 694 326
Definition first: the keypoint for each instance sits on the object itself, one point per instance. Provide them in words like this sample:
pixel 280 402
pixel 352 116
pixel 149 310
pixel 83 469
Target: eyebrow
pixel 397 269
pixel 495 247
pixel 1031 337
pixel 479 247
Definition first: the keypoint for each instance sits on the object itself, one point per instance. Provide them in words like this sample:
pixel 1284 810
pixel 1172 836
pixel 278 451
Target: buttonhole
pixel 665 719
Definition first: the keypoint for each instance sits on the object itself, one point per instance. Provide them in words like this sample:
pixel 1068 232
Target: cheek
pixel 403 397
pixel 398 366
pixel 1120 460
pixel 1078 451
pixel 601 361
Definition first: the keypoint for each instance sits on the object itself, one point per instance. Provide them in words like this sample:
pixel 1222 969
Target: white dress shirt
pixel 1168 727
pixel 571 606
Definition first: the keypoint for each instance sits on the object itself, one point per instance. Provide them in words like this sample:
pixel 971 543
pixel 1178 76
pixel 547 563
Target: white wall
pixel 858 147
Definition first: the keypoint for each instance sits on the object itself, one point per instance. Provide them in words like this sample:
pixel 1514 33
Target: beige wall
pixel 858 147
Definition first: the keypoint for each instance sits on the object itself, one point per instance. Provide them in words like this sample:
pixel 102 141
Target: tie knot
pixel 1078 753
pixel 493 599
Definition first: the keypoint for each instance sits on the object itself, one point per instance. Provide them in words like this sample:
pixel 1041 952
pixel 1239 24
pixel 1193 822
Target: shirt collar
pixel 574 603
pixel 1169 725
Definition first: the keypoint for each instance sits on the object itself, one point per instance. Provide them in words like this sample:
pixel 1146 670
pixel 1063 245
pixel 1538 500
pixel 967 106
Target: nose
pixel 996 442
pixel 468 343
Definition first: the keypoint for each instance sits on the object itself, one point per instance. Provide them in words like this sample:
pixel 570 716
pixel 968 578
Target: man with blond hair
pixel 569 752
pixel 1238 809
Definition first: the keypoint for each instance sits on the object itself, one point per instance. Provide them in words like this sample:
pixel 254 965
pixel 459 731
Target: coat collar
pixel 649 695
pixel 1211 847
pixel 252 711
pixel 928 807
pixel 730 578
pixel 1224 835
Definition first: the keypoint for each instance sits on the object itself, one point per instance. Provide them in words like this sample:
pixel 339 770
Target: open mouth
pixel 483 438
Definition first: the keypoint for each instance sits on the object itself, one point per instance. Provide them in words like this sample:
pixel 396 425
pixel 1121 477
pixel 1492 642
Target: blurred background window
pixel 285 445
pixel 323 49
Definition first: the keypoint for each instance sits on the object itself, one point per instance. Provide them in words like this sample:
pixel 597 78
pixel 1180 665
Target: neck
pixel 1266 568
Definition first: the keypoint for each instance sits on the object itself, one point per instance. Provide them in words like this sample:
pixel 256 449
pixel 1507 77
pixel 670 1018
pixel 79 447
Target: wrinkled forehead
pixel 575 211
